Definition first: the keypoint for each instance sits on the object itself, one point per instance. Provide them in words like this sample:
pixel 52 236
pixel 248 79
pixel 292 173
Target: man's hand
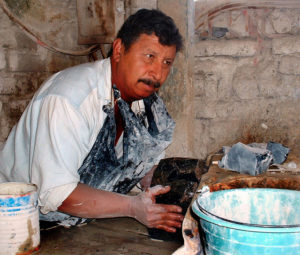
pixel 144 208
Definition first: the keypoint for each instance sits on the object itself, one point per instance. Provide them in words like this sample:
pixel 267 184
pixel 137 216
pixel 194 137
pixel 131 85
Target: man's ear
pixel 117 49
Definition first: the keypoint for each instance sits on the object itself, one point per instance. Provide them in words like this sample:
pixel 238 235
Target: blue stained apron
pixel 145 137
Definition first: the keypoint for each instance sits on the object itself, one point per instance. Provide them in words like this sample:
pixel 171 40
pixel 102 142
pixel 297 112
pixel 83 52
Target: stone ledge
pixel 286 45
pixel 233 48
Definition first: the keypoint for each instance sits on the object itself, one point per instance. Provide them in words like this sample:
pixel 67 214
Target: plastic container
pixel 249 221
pixel 19 219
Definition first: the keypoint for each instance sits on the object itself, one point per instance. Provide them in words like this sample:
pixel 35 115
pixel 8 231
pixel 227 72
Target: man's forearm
pixel 87 202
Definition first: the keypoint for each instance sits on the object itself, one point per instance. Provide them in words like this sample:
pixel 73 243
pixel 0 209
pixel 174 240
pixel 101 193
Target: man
pixel 94 131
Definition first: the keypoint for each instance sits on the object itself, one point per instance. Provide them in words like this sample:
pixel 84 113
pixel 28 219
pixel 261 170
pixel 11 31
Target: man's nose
pixel 156 71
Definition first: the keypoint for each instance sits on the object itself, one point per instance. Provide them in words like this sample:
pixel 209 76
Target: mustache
pixel 150 83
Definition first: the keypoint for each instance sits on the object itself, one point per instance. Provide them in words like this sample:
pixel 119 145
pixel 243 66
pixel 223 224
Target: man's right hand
pixel 144 208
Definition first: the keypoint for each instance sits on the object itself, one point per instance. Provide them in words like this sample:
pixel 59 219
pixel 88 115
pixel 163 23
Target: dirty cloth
pixel 253 159
pixel 142 145
pixel 279 152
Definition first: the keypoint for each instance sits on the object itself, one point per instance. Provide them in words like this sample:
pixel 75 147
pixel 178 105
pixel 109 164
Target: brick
pixel 199 85
pixel 18 106
pixel 2 59
pixel 120 14
pixel 238 109
pixel 268 27
pixel 245 85
pixel 206 84
pixel 5 20
pixel 238 24
pixel 289 86
pixel 25 62
pixel 24 42
pixel 218 128
pixel 7 85
pixel 234 21
pixel 281 21
pixel 8 39
pixel 9 116
pixel 205 109
pixel 221 20
pixel 201 137
pixel 269 79
pixel 233 48
pixel 216 76
pixel 4 127
pixel 21 85
pixel 290 65
pixel 229 109
pixel 14 109
pixel 286 45
pixel 58 62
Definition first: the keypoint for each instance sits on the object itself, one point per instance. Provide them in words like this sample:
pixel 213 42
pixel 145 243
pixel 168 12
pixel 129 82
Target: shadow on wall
pixel 261 131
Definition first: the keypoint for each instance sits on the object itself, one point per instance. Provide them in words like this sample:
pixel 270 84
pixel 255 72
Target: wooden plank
pixel 104 236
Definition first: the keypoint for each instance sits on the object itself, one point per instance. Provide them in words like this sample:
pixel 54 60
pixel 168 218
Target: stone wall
pixel 237 79
pixel 247 79
pixel 177 91
pixel 24 63
pixel 37 39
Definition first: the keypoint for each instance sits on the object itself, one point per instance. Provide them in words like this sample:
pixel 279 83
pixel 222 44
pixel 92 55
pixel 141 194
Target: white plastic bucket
pixel 19 219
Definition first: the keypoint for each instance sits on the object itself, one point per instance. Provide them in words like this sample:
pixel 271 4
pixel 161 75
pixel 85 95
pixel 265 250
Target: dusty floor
pixel 106 236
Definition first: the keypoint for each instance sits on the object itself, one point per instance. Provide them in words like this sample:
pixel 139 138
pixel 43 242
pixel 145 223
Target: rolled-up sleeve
pixel 54 197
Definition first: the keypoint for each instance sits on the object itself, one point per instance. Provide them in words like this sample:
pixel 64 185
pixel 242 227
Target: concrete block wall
pixel 246 82
pixel 242 85
pixel 24 63
pixel 178 89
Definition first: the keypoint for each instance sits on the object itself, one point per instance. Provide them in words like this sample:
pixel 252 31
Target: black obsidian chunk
pixel 183 175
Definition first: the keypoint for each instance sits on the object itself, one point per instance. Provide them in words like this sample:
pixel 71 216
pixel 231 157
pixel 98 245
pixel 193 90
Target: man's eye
pixel 149 56
pixel 168 62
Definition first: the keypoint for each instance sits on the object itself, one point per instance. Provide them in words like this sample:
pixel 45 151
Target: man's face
pixel 143 68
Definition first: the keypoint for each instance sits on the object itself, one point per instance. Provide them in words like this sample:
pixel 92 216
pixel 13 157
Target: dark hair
pixel 148 22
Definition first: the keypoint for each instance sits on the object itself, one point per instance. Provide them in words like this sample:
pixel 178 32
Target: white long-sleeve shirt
pixel 57 130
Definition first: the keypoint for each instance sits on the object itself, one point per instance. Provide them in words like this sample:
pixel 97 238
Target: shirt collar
pixel 104 80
